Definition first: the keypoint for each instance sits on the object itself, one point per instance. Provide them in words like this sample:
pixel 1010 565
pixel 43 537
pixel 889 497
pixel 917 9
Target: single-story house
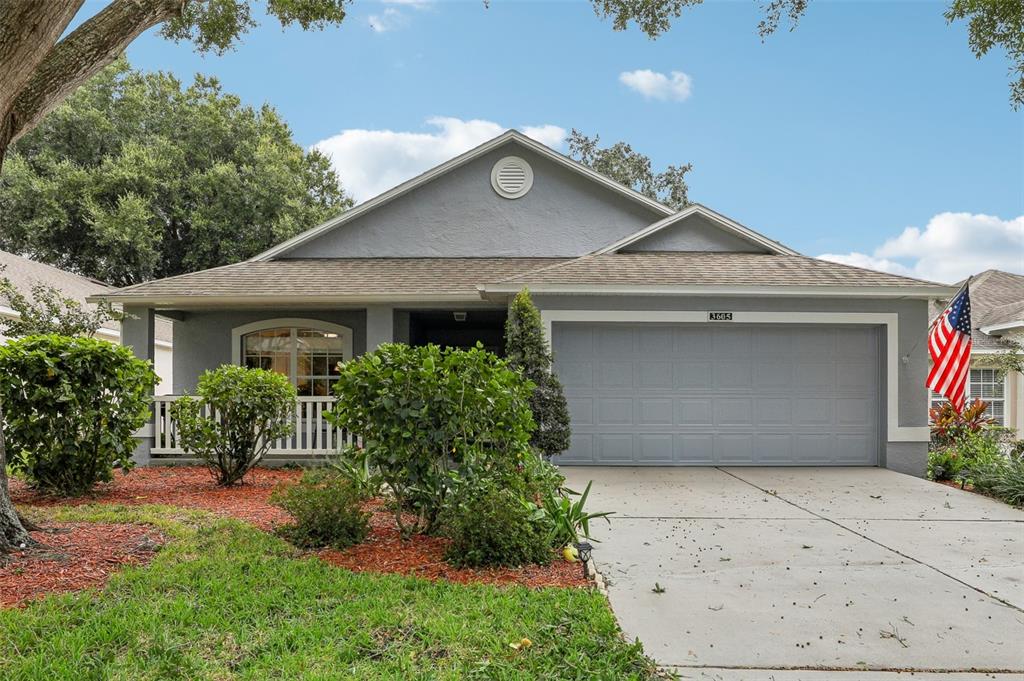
pixel 682 338
pixel 997 316
pixel 24 273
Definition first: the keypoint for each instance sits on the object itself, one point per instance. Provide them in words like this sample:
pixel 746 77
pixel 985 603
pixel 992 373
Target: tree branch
pixel 76 58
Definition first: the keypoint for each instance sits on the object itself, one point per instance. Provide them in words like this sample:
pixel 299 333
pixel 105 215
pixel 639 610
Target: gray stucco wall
pixel 906 457
pixel 694 233
pixel 203 339
pixel 460 215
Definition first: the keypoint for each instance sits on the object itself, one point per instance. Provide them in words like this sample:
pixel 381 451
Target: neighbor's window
pixel 309 357
pixel 988 385
pixel 985 384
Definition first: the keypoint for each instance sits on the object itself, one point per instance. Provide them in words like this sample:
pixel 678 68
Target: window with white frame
pixel 308 356
pixel 985 384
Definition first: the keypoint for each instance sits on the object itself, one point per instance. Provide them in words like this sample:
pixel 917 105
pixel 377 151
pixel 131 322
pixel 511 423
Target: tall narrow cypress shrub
pixel 527 351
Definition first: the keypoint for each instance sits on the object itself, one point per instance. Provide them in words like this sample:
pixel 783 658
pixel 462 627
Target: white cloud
pixel 372 161
pixel 951 247
pixel 653 85
pixel 388 20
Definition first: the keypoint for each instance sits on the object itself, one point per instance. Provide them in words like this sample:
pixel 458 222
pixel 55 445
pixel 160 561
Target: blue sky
pixel 868 119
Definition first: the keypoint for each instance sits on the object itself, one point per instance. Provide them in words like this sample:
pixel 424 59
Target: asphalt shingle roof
pixel 996 297
pixel 338 277
pixel 708 268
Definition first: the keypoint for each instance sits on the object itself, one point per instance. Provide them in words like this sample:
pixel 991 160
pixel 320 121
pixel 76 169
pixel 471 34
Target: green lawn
pixel 224 600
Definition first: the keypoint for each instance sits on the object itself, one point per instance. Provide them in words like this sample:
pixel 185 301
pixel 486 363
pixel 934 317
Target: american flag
pixel 949 344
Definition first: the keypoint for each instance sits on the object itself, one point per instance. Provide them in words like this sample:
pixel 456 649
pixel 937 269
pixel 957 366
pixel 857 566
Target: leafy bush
pixel 490 526
pixel 970 448
pixel 948 424
pixel 327 512
pixel 1002 478
pixel 353 465
pixel 71 408
pixel 254 407
pixel 430 417
pixel 564 519
pixel 527 352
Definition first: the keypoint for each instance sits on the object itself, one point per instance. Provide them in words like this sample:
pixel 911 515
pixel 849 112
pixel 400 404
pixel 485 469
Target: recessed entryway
pixel 459 328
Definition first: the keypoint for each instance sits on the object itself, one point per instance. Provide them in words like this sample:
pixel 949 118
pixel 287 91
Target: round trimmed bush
pixel 491 527
pixel 71 407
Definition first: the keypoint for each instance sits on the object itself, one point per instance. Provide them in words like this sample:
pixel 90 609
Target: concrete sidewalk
pixel 778 572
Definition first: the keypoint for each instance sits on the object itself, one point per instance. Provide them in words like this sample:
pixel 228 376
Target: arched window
pixel 306 351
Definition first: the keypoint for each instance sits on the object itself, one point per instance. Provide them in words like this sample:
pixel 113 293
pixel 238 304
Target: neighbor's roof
pixel 309 279
pixel 712 272
pixel 24 273
pixel 997 298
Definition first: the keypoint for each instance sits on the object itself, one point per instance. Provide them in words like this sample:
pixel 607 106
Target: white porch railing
pixel 312 435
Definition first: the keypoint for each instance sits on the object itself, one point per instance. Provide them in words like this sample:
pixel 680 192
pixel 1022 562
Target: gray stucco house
pixel 682 338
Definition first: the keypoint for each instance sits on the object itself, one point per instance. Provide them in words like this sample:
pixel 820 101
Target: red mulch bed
pixel 192 487
pixel 74 556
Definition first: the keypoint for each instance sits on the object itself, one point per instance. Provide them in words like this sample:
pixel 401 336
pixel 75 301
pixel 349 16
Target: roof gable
pixel 631 209
pixel 697 228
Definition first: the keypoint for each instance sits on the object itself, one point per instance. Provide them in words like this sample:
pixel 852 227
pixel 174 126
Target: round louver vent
pixel 511 177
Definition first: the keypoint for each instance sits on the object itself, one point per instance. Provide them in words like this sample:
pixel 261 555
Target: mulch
pixel 87 553
pixel 74 556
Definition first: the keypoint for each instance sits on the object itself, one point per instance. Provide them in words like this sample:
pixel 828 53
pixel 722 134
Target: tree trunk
pixel 13 534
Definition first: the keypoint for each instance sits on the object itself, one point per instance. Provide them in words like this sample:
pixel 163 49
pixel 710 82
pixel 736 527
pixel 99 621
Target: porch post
pixel 137 333
pixel 380 326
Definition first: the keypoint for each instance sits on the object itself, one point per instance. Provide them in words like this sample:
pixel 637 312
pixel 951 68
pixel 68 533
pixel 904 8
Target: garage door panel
pixel 655 375
pixel 581 410
pixel 773 448
pixel 734 374
pixel 656 411
pixel 687 394
pixel 731 411
pixel 694 412
pixel 655 448
pixel 692 376
pixel 614 411
pixel 615 448
pixel 694 449
pixel 734 448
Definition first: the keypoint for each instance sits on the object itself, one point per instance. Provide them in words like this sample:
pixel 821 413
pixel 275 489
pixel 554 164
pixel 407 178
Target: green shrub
pixel 254 406
pixel 564 519
pixel 327 512
pixel 71 408
pixel 353 465
pixel 1002 477
pixel 490 527
pixel 430 417
pixel 968 449
pixel 527 352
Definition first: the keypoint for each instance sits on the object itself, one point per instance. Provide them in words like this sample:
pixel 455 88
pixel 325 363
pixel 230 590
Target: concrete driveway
pixel 811 573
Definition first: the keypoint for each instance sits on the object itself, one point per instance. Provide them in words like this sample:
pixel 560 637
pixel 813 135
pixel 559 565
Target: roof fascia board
pixel 722 221
pixel 997 329
pixel 446 167
pixel 925 292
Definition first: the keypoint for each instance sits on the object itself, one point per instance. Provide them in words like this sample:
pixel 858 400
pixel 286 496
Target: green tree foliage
pixel 990 23
pixel 430 418
pixel 631 169
pixel 45 310
pixel 527 352
pixel 71 408
pixel 238 414
pixel 995 23
pixel 136 177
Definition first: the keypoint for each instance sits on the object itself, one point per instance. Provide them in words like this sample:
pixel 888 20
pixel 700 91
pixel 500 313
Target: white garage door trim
pixel 895 432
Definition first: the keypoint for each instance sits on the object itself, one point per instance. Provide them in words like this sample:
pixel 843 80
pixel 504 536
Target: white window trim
pixel 344 333
pixel 895 432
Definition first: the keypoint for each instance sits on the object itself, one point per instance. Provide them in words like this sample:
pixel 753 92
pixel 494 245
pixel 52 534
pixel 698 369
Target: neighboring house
pixel 997 314
pixel 681 338
pixel 24 273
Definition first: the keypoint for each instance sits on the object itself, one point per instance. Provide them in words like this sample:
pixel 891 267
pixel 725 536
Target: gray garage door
pixel 679 394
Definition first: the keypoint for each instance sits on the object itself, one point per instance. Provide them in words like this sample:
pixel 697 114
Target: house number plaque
pixel 719 316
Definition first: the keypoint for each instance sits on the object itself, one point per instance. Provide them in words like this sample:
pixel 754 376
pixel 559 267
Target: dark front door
pixel 459 329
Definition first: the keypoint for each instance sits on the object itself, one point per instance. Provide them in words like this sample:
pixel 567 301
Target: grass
pixel 224 600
